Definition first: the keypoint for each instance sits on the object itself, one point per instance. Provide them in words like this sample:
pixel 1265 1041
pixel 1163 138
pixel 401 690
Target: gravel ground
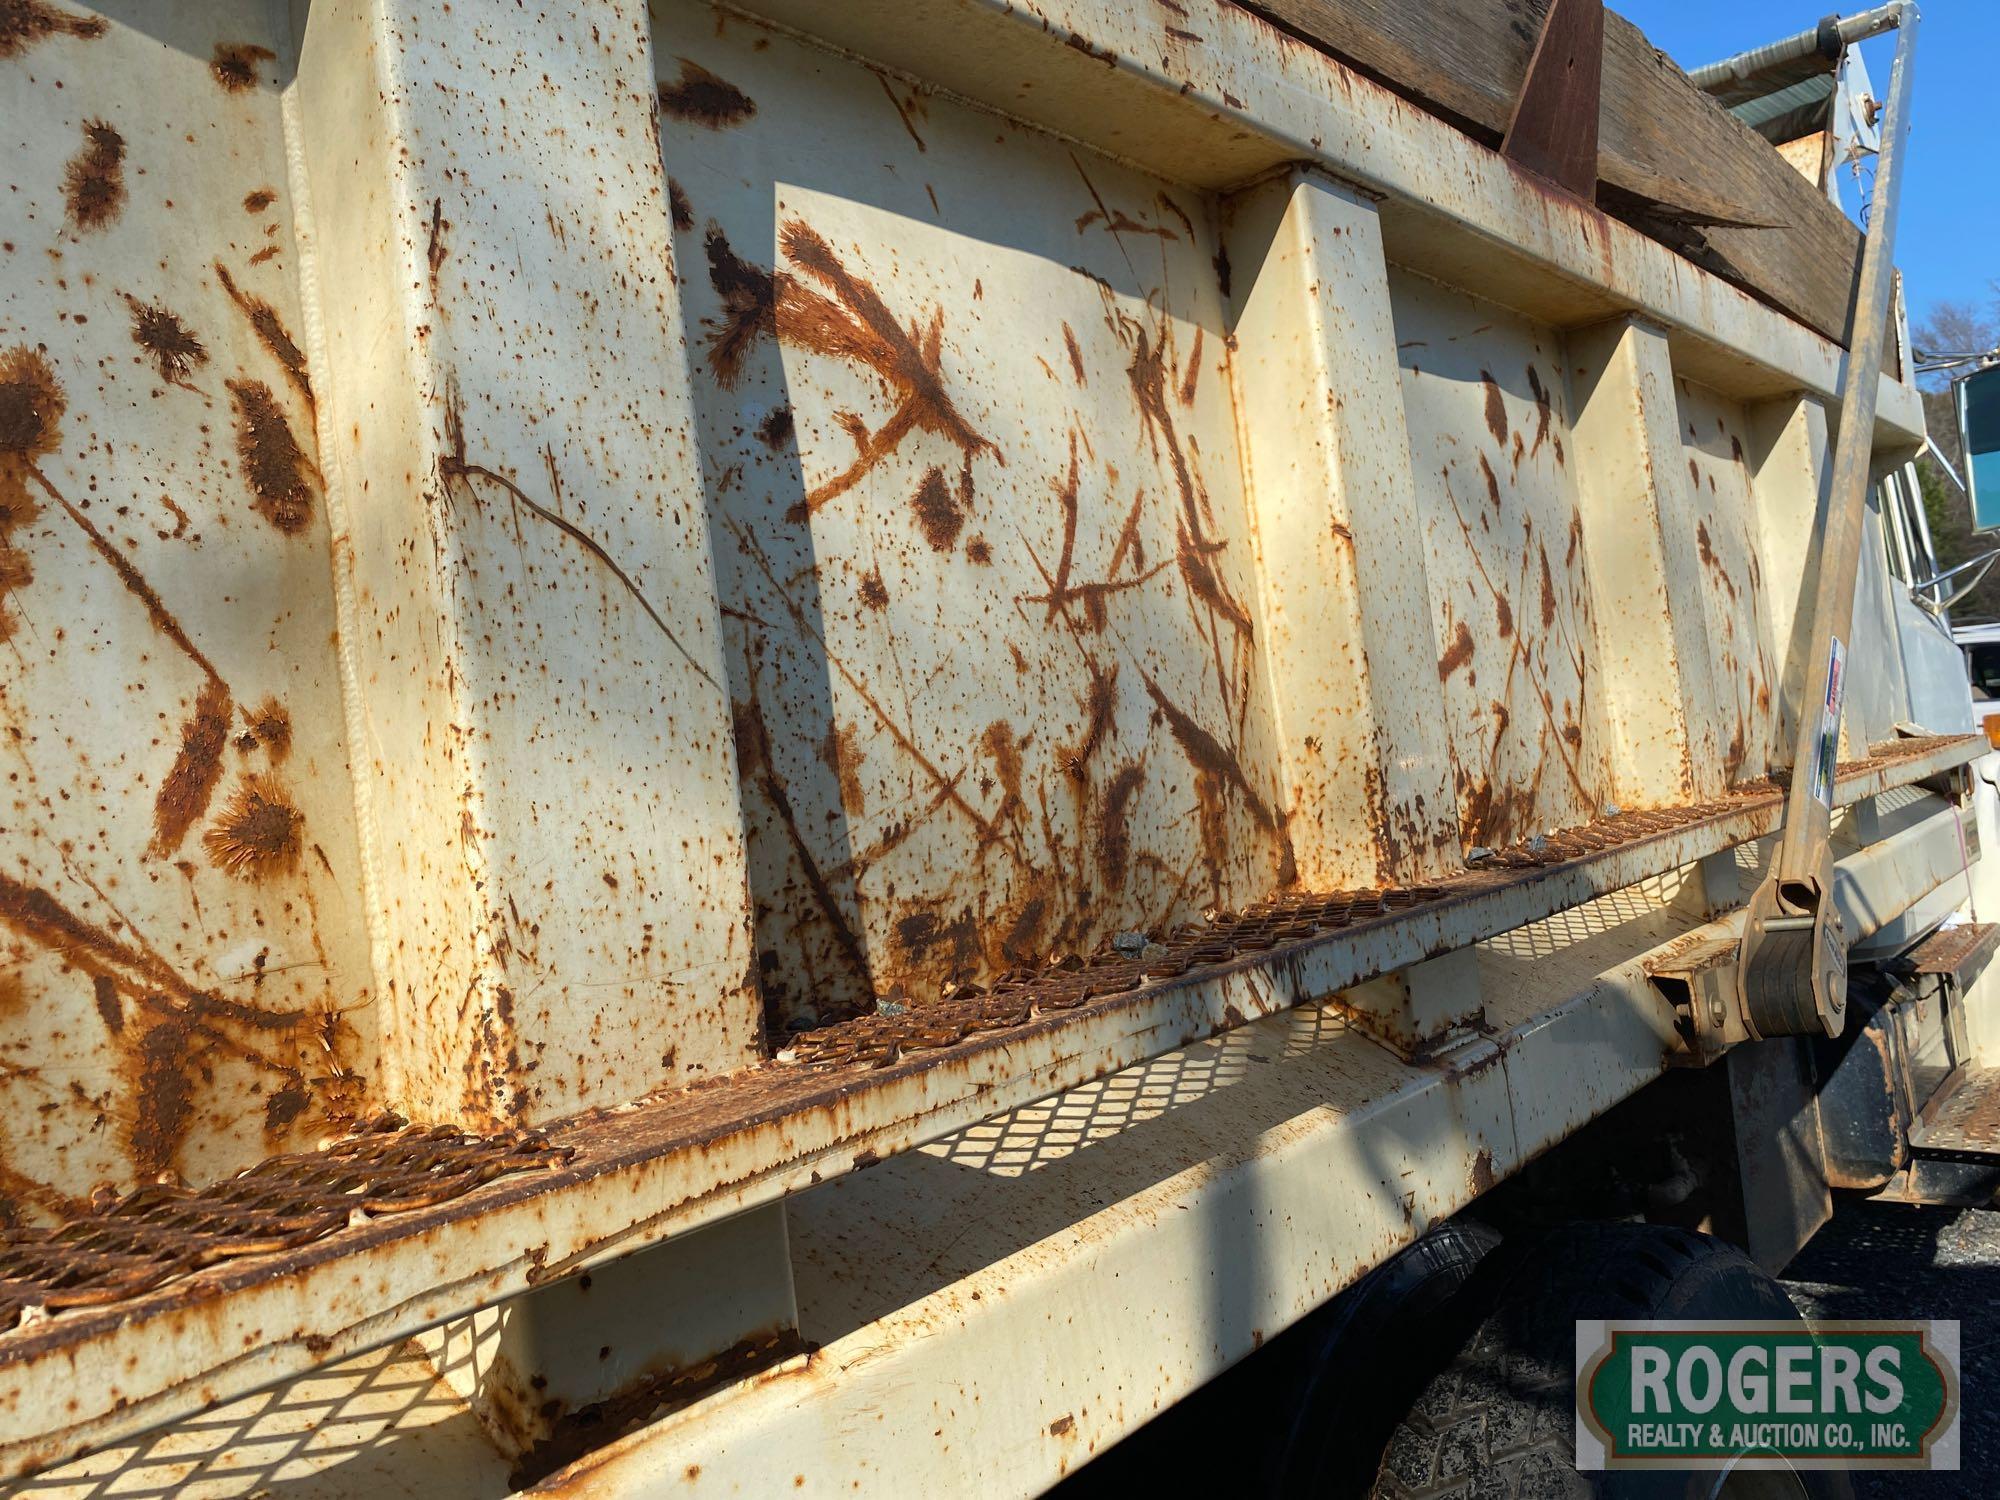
pixel 1884 1260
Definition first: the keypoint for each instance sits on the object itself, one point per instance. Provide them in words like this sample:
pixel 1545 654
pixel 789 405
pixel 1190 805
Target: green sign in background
pixel 1725 1429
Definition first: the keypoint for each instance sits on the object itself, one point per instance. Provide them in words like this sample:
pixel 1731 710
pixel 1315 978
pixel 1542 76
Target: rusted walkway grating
pixel 151 1235
pixel 1070 980
pixel 117 1252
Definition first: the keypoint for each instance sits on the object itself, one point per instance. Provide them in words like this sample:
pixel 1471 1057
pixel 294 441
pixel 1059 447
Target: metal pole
pixel 1827 39
pixel 1794 958
pixel 1807 811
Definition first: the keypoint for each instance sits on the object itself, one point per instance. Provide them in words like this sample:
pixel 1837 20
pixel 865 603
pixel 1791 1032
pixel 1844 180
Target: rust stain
pixel 874 592
pixel 679 210
pixel 94 180
pixel 104 993
pixel 999 742
pixel 1117 221
pixel 169 343
pixel 26 22
pixel 270 333
pixel 1481 1178
pixel 190 785
pixel 979 551
pixel 842 753
pixel 902 109
pixel 31 411
pixel 1191 378
pixel 164 1103
pixel 181 1021
pixel 258 832
pixel 234 64
pixel 280 476
pixel 754 763
pixel 776 428
pixel 1544 408
pixel 435 251
pixel 259 199
pixel 1457 654
pixel 571 1435
pixel 1114 822
pixel 1075 354
pixel 1209 756
pixel 937 511
pixel 135 583
pixel 271 723
pixel 1101 54
pixel 284 1106
pixel 1548 591
pixel 1496 409
pixel 1492 482
pixel 1147 374
pixel 1100 700
pixel 853 325
pixel 701 98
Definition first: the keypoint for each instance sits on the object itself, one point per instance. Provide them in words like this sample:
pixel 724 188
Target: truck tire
pixel 1356 1363
pixel 1500 1418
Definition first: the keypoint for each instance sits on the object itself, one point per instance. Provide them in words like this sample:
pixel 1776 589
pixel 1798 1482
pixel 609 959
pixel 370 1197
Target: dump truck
pixel 880 748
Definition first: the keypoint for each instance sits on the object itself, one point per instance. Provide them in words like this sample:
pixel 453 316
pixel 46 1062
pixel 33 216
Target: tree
pixel 1950 514
pixel 1956 327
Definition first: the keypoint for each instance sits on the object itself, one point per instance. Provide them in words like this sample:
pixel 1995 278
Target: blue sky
pixel 1948 231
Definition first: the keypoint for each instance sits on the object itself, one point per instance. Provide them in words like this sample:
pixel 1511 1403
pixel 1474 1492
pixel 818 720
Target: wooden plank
pixel 1671 162
pixel 1554 127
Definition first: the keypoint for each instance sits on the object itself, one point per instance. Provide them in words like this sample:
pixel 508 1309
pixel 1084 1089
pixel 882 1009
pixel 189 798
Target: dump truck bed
pixel 693 599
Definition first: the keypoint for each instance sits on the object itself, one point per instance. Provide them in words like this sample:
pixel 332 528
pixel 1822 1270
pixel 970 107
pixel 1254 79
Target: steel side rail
pixel 1120 1316
pixel 87 1377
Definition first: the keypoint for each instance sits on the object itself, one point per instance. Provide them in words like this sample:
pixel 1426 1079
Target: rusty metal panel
pixel 846 1097
pixel 1487 406
pixel 1744 660
pixel 555 849
pixel 983 553
pixel 780 537
pixel 184 977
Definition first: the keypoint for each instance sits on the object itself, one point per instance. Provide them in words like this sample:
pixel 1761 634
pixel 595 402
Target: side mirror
pixel 1978 399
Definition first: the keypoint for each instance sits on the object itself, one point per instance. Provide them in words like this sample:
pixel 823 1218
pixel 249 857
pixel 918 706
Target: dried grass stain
pixel 94 179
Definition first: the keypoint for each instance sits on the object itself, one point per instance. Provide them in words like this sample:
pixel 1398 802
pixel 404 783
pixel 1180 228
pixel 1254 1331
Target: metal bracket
pixel 1553 132
pixel 1792 967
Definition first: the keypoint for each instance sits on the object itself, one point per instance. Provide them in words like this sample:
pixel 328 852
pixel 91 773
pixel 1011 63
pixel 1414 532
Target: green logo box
pixel 1734 1395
